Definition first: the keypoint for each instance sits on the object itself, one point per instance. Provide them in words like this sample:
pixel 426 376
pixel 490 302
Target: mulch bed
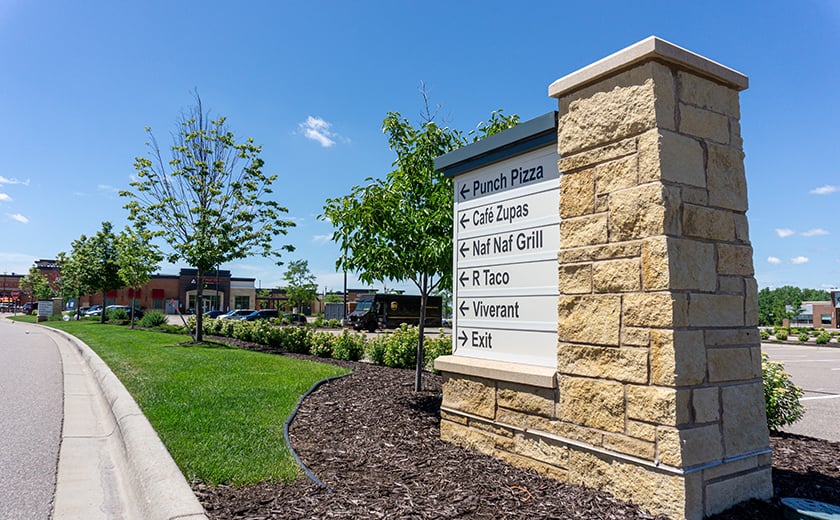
pixel 375 443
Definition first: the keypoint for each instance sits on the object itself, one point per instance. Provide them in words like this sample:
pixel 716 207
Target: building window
pixel 825 319
pixel 242 302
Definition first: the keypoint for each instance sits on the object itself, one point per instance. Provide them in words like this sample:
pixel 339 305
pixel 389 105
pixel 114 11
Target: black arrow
pixel 463 337
pixel 464 220
pixel 464 188
pixel 463 249
pixel 463 278
pixel 463 308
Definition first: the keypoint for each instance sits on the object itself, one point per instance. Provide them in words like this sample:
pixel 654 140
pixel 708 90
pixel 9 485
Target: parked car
pixel 138 314
pixel 262 314
pixel 237 314
pixel 93 310
pixel 298 319
pixel 28 307
pixel 214 314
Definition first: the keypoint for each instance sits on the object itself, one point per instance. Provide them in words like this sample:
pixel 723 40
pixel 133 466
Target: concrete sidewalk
pixel 111 462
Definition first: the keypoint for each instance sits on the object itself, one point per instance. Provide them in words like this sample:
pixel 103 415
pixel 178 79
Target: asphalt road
pixel 31 411
pixel 817 371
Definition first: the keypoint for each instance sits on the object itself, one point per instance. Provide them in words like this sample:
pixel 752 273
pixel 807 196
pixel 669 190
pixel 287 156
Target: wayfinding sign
pixel 506 238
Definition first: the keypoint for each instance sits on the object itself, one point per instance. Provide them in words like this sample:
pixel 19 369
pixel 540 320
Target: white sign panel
pixel 506 238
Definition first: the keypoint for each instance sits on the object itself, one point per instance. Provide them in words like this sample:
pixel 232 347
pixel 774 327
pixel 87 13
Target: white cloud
pixel 815 232
pixel 799 260
pixel 824 190
pixel 773 260
pixel 318 129
pixel 784 233
pixel 106 187
pixel 5 198
pixel 6 180
pixel 322 239
pixel 17 216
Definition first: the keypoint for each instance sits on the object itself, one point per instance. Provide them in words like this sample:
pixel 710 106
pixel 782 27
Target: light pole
pixel 4 289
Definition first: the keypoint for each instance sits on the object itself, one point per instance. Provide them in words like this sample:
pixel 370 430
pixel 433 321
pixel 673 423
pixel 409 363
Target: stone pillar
pixel 658 305
pixel 657 395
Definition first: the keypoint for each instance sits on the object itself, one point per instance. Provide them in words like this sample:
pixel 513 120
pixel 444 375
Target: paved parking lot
pixel 817 371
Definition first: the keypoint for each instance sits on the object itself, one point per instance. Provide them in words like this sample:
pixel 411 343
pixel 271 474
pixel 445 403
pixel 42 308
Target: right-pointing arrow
pixel 463 337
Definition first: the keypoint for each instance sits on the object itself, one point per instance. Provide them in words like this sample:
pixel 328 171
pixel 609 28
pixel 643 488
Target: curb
pixel 160 489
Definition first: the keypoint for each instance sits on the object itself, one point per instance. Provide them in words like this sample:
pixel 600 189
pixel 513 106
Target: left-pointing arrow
pixel 463 308
pixel 466 189
pixel 464 220
pixel 463 278
pixel 463 249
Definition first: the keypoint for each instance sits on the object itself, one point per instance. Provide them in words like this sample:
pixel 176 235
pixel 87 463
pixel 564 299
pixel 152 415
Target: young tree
pixel 96 259
pixel 211 202
pixel 71 281
pixel 138 259
pixel 36 284
pixel 400 228
pixel 301 287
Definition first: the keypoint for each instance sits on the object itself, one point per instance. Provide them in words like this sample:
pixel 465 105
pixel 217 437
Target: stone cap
pixel 651 48
pixel 498 370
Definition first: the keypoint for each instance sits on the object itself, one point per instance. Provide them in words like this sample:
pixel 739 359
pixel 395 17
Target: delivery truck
pixel 385 311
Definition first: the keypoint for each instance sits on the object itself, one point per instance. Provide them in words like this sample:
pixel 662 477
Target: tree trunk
pixel 199 305
pixel 131 314
pixel 102 317
pixel 421 328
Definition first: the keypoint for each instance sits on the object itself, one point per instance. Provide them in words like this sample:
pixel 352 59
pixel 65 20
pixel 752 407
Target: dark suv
pixel 297 319
pixel 262 314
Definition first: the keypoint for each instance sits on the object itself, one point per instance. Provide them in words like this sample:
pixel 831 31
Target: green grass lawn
pixel 220 411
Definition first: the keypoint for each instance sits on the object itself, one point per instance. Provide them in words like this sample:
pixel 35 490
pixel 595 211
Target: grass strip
pixel 219 410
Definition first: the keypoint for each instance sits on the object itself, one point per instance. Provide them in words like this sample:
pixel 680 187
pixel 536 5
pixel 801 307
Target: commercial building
pixel 819 314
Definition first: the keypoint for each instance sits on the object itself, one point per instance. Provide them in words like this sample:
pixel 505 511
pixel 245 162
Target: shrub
pixel 823 338
pixel 117 315
pixel 401 350
pixel 334 324
pixel 319 322
pixel 781 334
pixel 764 335
pixel 295 339
pixel 433 348
pixel 172 329
pixel 154 319
pixel 349 346
pixel 781 396
pixel 375 349
pixel 803 337
pixel 322 344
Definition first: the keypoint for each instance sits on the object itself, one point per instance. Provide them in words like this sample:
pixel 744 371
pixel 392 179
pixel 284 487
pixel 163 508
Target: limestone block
pixel 704 124
pixel 615 276
pixel 576 433
pixel 656 404
pixel 708 223
pixel 640 430
pixel 548 470
pixel 735 140
pixel 584 231
pixel 542 449
pixel 575 278
pixel 732 364
pixel 629 446
pixel 448 416
pixel 471 395
pixel 731 284
pixel 508 417
pixel 724 494
pixel 745 337
pixel 678 264
pixel 744 419
pixel 658 310
pixel 635 337
pixel 661 493
pixel 677 358
pixel 589 319
pixel 600 252
pixel 726 178
pixel 530 400
pixel 617 175
pixel 577 193
pixel 722 471
pixel 592 403
pixel 671 157
pixel 716 310
pixel 604 117
pixel 618 364
pixel 704 93
pixel 697 196
pixel 467 437
pixel 685 447
pixel 598 155
pixel 735 259
pixel 742 228
pixel 705 404
pixel 751 302
pixel 647 210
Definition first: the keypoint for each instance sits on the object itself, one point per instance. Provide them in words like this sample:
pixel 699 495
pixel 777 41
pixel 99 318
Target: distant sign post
pixel 506 237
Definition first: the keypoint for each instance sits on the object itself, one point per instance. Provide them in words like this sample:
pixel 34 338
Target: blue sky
pixel 312 80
